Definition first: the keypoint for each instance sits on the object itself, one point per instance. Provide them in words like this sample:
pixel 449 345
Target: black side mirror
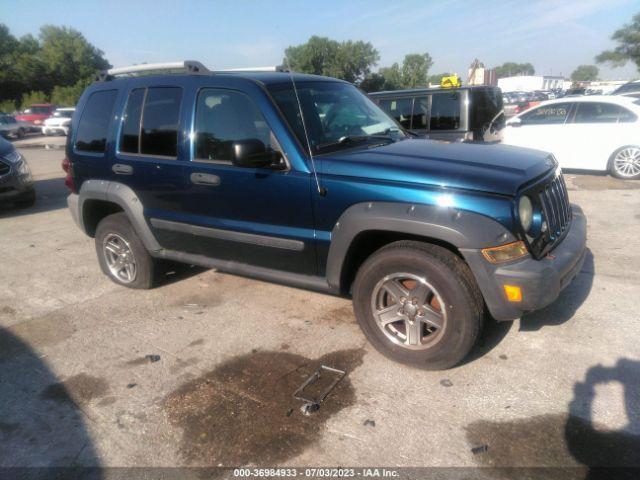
pixel 250 153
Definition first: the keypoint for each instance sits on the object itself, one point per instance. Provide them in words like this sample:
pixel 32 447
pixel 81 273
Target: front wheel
pixel 121 254
pixel 418 304
pixel 625 163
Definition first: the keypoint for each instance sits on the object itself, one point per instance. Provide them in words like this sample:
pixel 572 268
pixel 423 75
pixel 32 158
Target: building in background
pixel 530 83
pixel 480 75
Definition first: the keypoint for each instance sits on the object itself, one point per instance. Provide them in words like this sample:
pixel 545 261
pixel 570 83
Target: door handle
pixel 205 179
pixel 121 169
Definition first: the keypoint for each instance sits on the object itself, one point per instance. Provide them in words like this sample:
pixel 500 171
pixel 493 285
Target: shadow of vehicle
pixel 564 308
pixel 51 194
pixel 608 453
pixel 41 437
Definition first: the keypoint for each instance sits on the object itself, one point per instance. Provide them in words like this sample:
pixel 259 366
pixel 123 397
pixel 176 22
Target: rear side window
pixel 92 130
pixel 150 122
pixel 555 113
pixel 400 109
pixel 593 112
pixel 445 111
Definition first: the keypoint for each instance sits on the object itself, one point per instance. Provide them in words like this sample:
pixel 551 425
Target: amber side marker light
pixel 505 253
pixel 513 292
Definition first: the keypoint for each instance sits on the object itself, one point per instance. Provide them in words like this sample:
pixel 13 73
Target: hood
pixel 492 168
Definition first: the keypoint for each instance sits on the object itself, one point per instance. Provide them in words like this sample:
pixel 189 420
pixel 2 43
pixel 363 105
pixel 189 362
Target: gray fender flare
pixel 462 229
pixel 123 196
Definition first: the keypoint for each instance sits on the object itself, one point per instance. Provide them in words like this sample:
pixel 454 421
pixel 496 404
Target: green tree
pixel 585 73
pixel 392 77
pixel 628 48
pixel 509 69
pixel 435 79
pixel 69 96
pixel 415 68
pixel 350 60
pixel 30 98
pixel 68 56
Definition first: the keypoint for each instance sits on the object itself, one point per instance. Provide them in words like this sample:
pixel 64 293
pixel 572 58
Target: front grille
pixel 4 168
pixel 553 202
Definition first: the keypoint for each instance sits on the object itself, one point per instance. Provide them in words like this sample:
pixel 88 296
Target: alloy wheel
pixel 627 162
pixel 119 257
pixel 409 311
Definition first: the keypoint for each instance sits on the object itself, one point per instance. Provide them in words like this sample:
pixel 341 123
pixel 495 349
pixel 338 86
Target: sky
pixel 554 35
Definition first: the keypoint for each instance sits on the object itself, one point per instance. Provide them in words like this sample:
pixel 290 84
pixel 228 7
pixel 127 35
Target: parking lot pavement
pixel 200 371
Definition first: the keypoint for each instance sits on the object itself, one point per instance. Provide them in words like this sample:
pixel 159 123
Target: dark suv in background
pixel 303 180
pixel 465 113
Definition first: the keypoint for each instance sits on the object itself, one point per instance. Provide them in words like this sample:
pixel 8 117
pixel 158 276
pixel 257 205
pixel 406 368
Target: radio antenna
pixel 321 191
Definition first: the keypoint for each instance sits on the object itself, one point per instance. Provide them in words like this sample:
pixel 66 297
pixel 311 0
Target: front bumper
pixel 16 185
pixel 540 281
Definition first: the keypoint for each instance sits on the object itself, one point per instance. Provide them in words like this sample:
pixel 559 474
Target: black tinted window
pixel 547 114
pixel 94 122
pixel 420 113
pixel 445 111
pixel 160 122
pixel 223 117
pixel 486 105
pixel 399 108
pixel 592 112
pixel 130 136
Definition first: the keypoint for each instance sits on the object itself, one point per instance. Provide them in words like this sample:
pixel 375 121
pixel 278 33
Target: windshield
pixel 337 115
pixel 63 114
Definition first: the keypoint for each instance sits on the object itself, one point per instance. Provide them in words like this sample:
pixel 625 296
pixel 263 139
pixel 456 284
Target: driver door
pixel 255 216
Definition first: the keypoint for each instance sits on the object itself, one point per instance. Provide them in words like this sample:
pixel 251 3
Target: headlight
pixel 13 156
pixel 525 212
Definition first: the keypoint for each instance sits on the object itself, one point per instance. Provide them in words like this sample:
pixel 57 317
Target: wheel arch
pixel 364 228
pixel 99 198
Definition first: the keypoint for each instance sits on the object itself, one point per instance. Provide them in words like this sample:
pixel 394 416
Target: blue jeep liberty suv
pixel 303 180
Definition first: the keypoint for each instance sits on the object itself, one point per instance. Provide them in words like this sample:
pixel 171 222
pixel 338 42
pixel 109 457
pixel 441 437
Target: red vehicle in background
pixel 36 114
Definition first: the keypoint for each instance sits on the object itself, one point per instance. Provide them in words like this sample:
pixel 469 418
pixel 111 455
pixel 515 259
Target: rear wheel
pixel 121 254
pixel 418 304
pixel 625 163
pixel 21 133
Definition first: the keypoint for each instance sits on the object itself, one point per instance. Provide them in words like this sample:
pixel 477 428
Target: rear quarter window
pixel 445 111
pixel 91 135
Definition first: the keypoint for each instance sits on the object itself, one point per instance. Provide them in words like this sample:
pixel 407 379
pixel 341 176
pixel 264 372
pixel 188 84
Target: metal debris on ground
pixel 369 423
pixel 445 382
pixel 152 358
pixel 313 404
pixel 309 408
pixel 480 449
pixel 131 385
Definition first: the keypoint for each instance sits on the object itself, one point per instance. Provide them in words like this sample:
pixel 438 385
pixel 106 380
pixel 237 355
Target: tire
pixel 625 163
pixel 125 248
pixel 27 201
pixel 21 133
pixel 452 293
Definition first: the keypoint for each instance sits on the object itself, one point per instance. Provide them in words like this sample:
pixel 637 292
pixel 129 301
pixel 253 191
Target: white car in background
pixel 59 122
pixel 592 133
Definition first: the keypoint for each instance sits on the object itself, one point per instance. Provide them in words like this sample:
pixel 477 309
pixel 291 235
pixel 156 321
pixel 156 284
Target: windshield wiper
pixel 385 135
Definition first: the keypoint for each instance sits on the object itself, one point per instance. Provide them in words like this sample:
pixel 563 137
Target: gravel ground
pixel 200 371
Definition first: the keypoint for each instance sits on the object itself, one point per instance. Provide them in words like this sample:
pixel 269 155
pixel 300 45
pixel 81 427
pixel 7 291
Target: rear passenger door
pixel 255 216
pixel 149 154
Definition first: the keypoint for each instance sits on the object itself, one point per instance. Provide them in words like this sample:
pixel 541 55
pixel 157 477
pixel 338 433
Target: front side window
pixel 224 117
pixel 150 122
pixel 445 111
pixel 337 115
pixel 553 114
pixel 596 112
pixel 93 128
pixel 400 109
